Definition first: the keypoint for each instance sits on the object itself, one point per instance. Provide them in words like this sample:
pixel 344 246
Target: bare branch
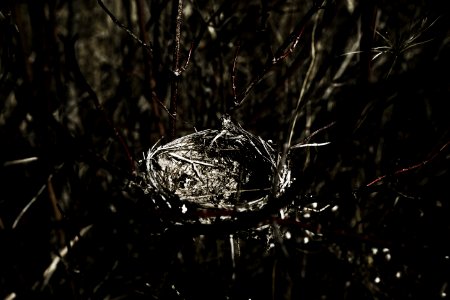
pixel 188 59
pixel 286 49
pixel 155 97
pixel 233 73
pixel 305 85
pixel 411 168
pixel 127 30
pixel 176 72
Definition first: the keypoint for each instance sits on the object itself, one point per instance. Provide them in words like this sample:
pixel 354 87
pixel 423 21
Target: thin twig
pixel 306 140
pixel 56 211
pixel 285 50
pixel 34 199
pixel 155 97
pixel 25 209
pixel 47 275
pixel 176 72
pixel 127 30
pixel 310 145
pixel 188 59
pixel 305 85
pixel 411 168
pixel 233 73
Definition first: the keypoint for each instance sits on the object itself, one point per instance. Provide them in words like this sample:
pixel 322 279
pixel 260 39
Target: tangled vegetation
pixel 345 100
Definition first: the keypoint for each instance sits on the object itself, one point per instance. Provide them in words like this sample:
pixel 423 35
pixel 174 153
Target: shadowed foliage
pixel 352 94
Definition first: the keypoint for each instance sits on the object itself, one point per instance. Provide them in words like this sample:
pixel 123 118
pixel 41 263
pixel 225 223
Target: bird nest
pixel 227 168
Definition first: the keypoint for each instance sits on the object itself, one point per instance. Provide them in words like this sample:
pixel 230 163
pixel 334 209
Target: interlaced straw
pixel 228 168
pixel 225 168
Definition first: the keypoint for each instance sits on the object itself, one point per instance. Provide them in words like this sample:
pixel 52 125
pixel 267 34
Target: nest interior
pixel 220 168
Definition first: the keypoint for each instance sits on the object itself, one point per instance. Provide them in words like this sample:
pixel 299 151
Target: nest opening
pixel 226 168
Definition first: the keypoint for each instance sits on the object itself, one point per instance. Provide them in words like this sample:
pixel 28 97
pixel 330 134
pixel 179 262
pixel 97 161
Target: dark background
pixel 83 100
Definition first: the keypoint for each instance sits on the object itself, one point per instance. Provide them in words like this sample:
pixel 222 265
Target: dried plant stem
pixel 56 211
pixel 233 73
pixel 25 209
pixel 147 46
pixel 47 275
pixel 20 161
pixel 305 85
pixel 411 168
pixel 286 49
pixel 176 72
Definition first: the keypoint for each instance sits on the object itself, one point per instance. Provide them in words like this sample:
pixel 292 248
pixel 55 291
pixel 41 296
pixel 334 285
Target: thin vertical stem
pixel 175 72
pixel 306 83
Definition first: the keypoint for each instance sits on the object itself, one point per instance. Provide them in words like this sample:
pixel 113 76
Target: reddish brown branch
pixel 411 168
pixel 286 49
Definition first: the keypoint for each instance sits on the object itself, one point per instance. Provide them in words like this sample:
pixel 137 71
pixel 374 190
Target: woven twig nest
pixel 227 168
